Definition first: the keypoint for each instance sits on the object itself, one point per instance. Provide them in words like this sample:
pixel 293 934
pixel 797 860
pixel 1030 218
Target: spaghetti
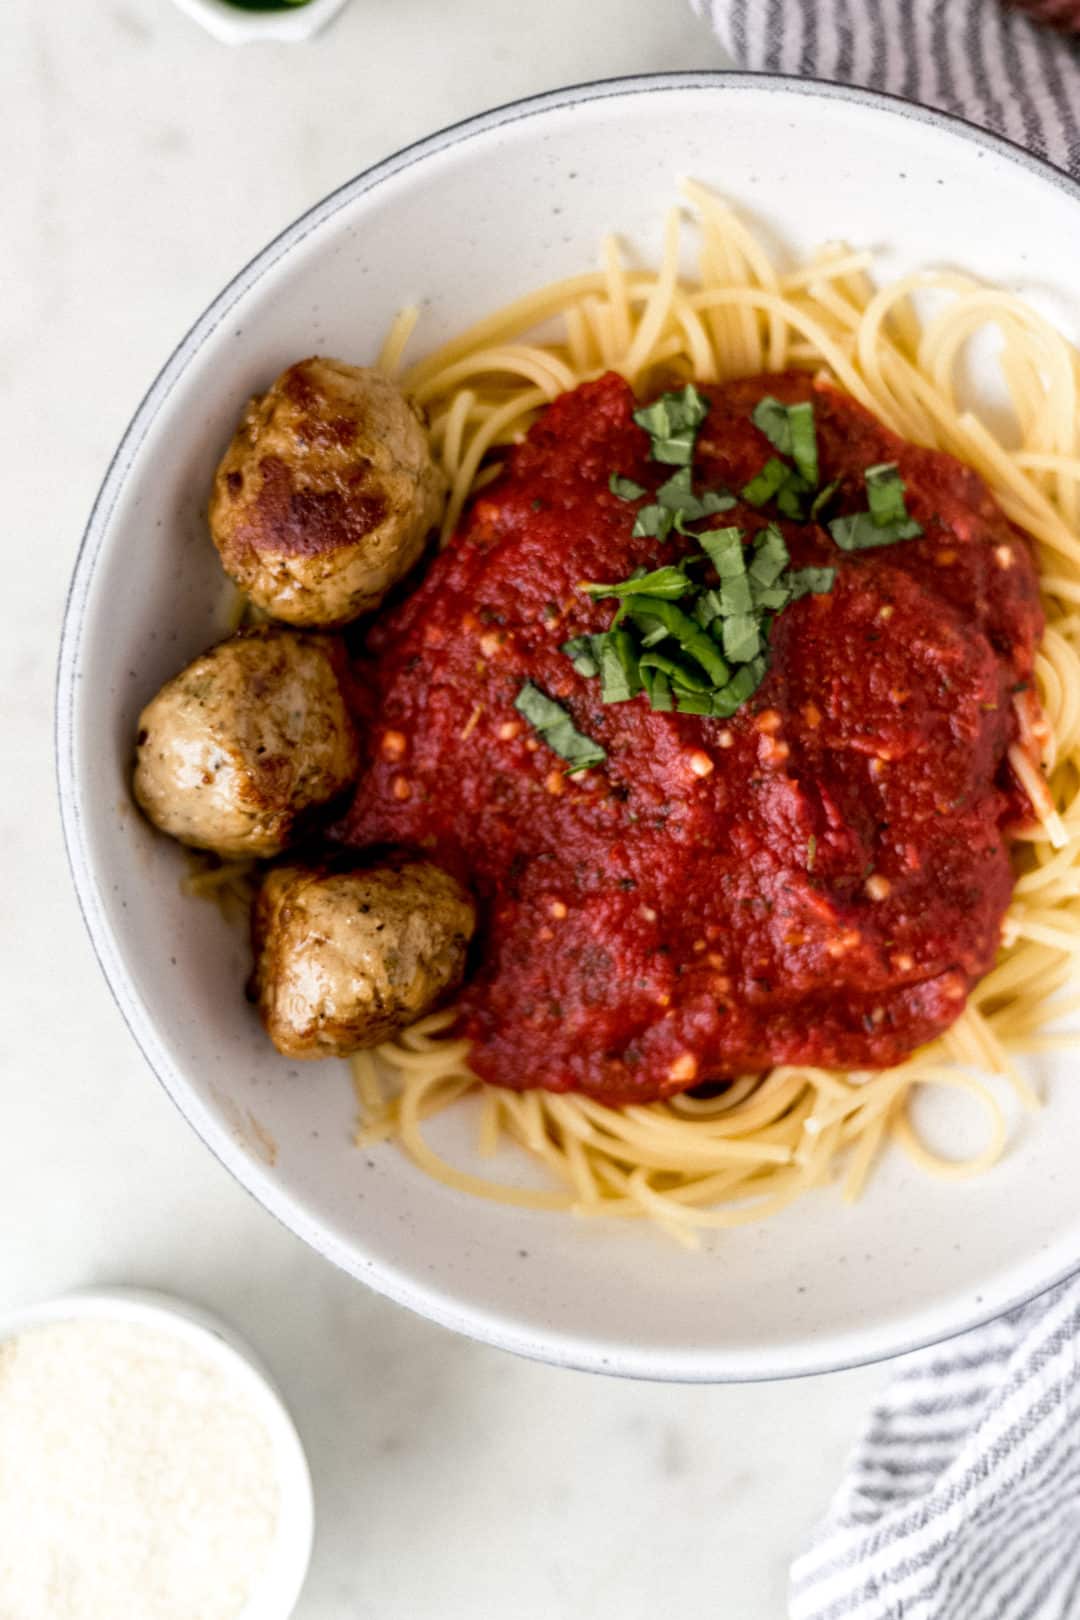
pixel 694 1162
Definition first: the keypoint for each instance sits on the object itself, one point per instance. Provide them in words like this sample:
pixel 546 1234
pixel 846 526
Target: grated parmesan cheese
pixel 136 1481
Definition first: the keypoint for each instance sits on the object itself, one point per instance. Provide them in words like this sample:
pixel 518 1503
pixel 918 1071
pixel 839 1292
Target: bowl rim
pixel 474 1320
pixel 219 1342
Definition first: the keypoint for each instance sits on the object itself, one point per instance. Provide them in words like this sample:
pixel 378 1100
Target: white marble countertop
pixel 145 163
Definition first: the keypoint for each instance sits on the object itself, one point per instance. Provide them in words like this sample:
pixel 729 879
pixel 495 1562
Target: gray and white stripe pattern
pixel 970 57
pixel 962 1499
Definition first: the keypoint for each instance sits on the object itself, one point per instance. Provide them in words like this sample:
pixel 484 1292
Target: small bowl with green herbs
pixel 241 22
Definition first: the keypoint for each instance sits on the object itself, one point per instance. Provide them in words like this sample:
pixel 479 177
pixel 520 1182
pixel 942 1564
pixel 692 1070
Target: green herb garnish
pixel 694 702
pixel 886 522
pixel 810 582
pixel 584 653
pixel 764 485
pixel 672 423
pixel 677 495
pixel 742 637
pixel 551 721
pixel 792 498
pixel 625 488
pixel 885 493
pixel 771 556
pixel 678 673
pixel 658 689
pixel 683 629
pixel 669 582
pixel 724 549
pixel 736 595
pixel 861 533
pixel 772 597
pixel 823 498
pixel 790 429
pixel 742 685
pixel 682 657
pixel 619 677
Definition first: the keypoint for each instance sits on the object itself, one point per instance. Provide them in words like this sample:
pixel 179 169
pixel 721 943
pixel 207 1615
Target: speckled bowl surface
pixel 462 222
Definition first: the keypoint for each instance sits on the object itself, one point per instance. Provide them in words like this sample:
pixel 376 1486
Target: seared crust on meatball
pixel 326 495
pixel 345 959
pixel 245 741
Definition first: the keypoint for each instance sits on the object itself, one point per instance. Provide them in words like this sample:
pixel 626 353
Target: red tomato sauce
pixel 819 879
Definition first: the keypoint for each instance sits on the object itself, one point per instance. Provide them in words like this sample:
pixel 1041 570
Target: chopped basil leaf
pixel 707 608
pixel 658 688
pixel 688 409
pixel 736 595
pixel 693 703
pixel 653 521
pixel 885 493
pixel 772 419
pixel 625 488
pixel 619 678
pixel 772 597
pixel 804 440
pixel 584 653
pixel 654 418
pixel 557 729
pixel 811 582
pixel 650 637
pixel 791 497
pixel 765 484
pixel 673 412
pixel 823 497
pixel 887 520
pixel 668 582
pixel 742 637
pixel 690 636
pixel 672 423
pixel 682 656
pixel 724 549
pixel 678 451
pixel 861 533
pixel 678 673
pixel 790 429
pixel 771 556
pixel 742 685
pixel 677 495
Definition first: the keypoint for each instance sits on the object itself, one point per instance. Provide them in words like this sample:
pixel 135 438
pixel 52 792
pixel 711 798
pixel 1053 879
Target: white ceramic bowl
pixel 462 222
pixel 234 26
pixel 278 1589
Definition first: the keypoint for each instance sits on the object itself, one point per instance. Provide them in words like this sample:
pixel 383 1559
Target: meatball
pixel 343 959
pixel 326 495
pixel 245 740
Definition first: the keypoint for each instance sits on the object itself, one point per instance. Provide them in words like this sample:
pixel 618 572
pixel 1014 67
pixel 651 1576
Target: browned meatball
pixel 345 959
pixel 245 740
pixel 326 495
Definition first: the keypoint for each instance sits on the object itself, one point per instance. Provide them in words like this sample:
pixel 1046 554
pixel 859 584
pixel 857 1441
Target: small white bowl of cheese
pixel 152 1471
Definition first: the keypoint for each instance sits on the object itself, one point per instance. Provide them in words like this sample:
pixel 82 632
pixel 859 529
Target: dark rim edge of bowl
pixel 565 1350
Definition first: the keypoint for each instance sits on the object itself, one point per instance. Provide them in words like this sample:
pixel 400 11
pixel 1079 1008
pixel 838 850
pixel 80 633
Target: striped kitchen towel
pixel 962 1499
pixel 976 58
